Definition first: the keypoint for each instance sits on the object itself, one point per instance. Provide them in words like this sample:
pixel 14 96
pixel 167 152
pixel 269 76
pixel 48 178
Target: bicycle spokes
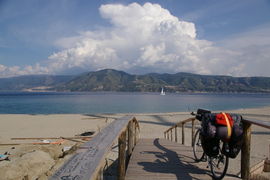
pixel 219 166
pixel 197 147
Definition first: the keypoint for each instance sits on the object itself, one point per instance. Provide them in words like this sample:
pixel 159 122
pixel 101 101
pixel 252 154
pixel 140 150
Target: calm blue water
pixel 83 103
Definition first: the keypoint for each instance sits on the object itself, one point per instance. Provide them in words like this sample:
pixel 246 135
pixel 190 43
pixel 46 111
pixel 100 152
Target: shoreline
pixel 152 125
pixel 239 110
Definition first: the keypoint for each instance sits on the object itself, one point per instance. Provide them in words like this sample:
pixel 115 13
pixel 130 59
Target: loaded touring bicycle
pixel 218 139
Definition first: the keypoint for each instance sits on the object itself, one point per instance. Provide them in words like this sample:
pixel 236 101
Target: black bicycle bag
pixel 208 125
pixel 236 140
pixel 210 146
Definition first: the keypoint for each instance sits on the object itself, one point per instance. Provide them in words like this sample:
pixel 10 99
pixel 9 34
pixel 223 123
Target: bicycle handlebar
pixel 200 113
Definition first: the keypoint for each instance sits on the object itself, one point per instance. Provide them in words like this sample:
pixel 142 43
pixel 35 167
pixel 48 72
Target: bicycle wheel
pixel 197 147
pixel 219 166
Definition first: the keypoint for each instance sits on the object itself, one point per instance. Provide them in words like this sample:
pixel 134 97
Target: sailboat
pixel 162 92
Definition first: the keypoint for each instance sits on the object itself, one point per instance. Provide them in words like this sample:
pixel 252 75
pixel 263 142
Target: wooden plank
pixel 159 161
pixel 89 158
pixel 245 151
pixel 165 160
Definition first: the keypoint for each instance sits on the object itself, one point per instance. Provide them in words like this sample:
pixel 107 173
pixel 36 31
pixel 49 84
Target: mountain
pixel 113 80
pixel 210 83
pixel 31 82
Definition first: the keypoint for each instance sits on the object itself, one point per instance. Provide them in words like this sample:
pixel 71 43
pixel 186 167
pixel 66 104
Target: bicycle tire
pixel 197 147
pixel 213 165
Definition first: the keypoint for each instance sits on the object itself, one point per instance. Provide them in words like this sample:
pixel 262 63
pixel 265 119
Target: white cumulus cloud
pixel 148 38
pixel 6 71
pixel 141 37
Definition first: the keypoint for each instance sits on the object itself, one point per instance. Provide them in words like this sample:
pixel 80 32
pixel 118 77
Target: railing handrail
pixel 180 124
pixel 88 160
pixel 245 150
pixel 257 122
pixel 265 124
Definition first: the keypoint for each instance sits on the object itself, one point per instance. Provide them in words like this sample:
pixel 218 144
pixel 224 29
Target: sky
pixel 213 37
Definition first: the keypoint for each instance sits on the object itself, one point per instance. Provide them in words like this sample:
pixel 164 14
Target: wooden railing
pixel 245 151
pixel 168 134
pixel 88 161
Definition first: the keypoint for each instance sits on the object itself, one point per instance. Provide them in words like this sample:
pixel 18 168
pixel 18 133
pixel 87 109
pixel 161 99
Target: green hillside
pixel 113 80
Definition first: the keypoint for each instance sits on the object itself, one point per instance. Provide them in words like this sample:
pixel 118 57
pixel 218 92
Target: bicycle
pixel 218 163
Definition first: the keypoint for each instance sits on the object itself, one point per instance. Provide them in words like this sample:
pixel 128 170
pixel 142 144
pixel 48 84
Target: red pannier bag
pixel 221 119
pixel 224 123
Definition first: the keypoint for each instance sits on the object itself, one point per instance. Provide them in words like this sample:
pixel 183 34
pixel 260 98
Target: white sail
pixel 162 92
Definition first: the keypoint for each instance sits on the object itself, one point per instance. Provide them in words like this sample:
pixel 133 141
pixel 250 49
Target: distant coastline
pixel 119 81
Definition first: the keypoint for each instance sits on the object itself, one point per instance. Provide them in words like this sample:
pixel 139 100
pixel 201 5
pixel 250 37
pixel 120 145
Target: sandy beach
pixel 69 125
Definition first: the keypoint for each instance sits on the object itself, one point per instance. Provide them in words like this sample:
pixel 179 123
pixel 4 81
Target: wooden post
pixel 122 156
pixel 130 137
pixel 175 138
pixel 183 133
pixel 192 132
pixel 245 152
pixel 136 133
pixel 100 174
pixel 171 135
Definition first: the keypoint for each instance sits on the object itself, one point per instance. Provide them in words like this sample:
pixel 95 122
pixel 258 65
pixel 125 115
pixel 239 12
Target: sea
pixel 124 102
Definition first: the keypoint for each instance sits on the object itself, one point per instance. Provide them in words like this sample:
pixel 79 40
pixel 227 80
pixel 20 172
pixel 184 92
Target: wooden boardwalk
pixel 162 159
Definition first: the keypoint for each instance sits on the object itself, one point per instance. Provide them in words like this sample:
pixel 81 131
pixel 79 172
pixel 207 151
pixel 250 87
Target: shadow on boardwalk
pixel 169 162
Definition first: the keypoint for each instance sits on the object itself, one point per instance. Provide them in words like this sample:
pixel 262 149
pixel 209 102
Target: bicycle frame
pixel 220 157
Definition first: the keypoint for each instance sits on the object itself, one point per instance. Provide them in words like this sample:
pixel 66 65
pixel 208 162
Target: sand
pixel 67 125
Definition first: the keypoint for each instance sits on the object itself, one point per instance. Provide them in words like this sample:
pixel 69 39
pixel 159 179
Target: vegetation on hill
pixel 113 80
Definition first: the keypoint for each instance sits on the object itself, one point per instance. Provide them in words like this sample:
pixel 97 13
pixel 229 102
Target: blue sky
pixel 200 36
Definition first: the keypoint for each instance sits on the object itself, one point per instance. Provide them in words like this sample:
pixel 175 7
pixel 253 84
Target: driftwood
pixel 17 144
pixel 13 144
pixel 60 141
pixel 71 139
pixel 42 138
pixel 85 138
